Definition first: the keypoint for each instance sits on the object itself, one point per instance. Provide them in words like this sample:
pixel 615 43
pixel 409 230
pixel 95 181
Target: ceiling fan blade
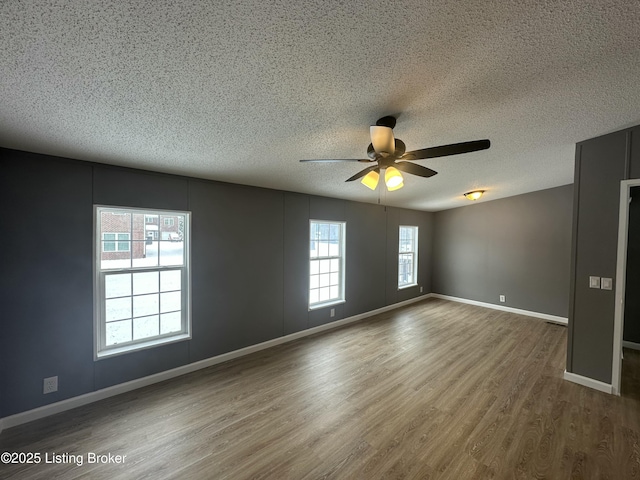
pixel 362 173
pixel 445 150
pixel 329 160
pixel 382 139
pixel 415 169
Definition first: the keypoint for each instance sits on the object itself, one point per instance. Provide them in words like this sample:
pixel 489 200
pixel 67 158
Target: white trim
pixel 588 382
pixel 528 313
pixel 631 345
pixel 620 287
pixel 68 404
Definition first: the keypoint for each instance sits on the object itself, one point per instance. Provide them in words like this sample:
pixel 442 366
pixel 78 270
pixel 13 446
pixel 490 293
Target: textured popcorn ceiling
pixel 239 91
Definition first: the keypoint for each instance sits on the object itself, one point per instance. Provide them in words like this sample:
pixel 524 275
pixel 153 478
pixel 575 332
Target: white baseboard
pixel 544 316
pixel 632 345
pixel 588 382
pixel 68 404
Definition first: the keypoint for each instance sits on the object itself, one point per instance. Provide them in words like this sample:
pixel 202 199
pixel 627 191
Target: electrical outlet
pixel 420 289
pixel 50 385
pixel 333 312
pixel 503 298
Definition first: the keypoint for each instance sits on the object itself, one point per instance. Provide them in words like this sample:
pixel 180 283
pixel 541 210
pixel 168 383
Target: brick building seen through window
pixel 126 235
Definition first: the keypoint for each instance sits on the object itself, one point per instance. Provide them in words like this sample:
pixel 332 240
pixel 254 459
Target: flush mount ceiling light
pixel 474 195
pixel 387 152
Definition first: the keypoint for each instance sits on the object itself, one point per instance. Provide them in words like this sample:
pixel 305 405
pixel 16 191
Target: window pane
pixel 324 280
pixel 145 282
pixel 314 267
pixel 323 248
pixel 145 327
pixel 170 322
pixel 144 253
pixel 334 279
pixel 115 254
pixel 170 302
pixel 333 292
pixel 117 285
pixel 313 296
pixel 171 253
pixel 314 281
pixel 324 294
pixel 117 308
pixel 325 265
pixel 334 249
pixel 170 280
pixel 334 265
pixel 139 226
pixel 334 233
pixel 313 249
pixel 146 305
pixel 114 221
pixel 118 332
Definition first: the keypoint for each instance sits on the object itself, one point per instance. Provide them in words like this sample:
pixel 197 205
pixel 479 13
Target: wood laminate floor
pixel 435 390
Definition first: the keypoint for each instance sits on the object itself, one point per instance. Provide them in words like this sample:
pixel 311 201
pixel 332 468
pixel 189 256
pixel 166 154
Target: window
pixel 150 219
pixel 408 257
pixel 115 242
pixel 326 263
pixel 168 222
pixel 141 292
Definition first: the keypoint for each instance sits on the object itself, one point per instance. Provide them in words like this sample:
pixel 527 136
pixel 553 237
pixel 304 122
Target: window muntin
pixel 326 263
pixel 142 291
pixel 408 256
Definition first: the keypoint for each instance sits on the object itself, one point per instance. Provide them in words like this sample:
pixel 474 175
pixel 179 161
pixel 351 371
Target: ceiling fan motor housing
pixel 400 149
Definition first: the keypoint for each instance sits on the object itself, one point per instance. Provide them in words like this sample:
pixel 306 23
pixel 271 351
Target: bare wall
pixel 249 272
pixel 519 247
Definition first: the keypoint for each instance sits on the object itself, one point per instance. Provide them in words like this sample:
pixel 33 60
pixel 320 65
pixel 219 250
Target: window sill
pixel 114 352
pixel 404 287
pixel 318 306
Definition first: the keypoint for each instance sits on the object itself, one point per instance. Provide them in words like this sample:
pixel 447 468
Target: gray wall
pixel 518 246
pixel 601 163
pixel 249 269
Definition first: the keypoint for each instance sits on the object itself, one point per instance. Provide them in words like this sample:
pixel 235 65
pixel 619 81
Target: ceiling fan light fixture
pixel 393 179
pixel 382 140
pixel 370 180
pixel 474 195
pixel 397 187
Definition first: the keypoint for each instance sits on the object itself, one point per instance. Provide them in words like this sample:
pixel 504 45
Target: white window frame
pixel 117 242
pixel 101 350
pixel 340 257
pixel 414 256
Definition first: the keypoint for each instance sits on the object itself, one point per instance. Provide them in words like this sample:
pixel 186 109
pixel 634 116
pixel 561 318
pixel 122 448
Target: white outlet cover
pixel 503 298
pixel 50 385
pixel 606 283
pixel 594 282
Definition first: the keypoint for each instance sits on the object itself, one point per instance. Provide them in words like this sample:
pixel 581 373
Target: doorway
pixel 626 341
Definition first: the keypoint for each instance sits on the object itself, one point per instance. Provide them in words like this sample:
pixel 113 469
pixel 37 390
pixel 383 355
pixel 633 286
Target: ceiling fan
pixel 390 154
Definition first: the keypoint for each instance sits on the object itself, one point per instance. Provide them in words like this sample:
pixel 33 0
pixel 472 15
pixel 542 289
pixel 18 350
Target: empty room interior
pixel 297 240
